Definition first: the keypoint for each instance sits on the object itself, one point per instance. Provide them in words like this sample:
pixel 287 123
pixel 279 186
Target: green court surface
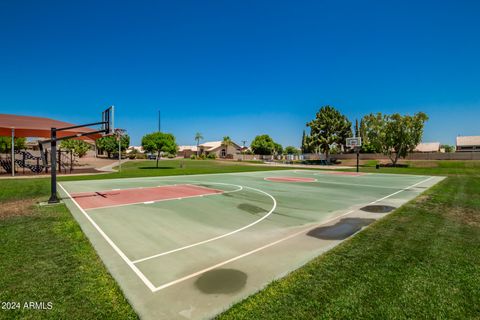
pixel 192 256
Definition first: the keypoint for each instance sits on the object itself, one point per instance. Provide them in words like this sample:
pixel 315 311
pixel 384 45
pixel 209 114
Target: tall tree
pixel 291 150
pixel 109 144
pixel 79 148
pixel 198 137
pixel 278 149
pixel 263 145
pixel 448 148
pixel 226 142
pixel 158 142
pixel 370 129
pixel 395 135
pixel 303 146
pixel 306 146
pixel 329 127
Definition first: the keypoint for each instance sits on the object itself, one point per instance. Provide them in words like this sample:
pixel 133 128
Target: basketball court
pixel 188 247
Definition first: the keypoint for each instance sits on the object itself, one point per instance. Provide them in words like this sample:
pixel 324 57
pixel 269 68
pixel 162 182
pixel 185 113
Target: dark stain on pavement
pixel 341 230
pixel 378 208
pixel 221 281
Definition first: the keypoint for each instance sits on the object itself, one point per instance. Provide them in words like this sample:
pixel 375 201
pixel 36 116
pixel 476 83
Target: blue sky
pixel 242 68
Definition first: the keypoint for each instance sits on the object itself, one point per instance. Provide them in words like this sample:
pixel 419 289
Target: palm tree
pixel 226 142
pixel 198 137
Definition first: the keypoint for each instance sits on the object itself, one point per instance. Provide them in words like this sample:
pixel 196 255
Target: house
pixel 186 151
pixel 468 143
pixel 427 147
pixel 138 149
pixel 211 147
pixel 219 149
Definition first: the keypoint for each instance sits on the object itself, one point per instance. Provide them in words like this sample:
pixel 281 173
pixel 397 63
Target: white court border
pixel 149 284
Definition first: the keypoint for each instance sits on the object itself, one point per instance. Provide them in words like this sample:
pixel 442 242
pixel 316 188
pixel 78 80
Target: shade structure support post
pixel 119 154
pixel 13 152
pixel 53 167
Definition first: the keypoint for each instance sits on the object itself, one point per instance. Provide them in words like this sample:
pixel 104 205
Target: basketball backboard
pixel 354 142
pixel 107 119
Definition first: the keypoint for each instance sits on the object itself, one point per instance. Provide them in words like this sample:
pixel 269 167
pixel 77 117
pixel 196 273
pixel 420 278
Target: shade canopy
pixel 26 126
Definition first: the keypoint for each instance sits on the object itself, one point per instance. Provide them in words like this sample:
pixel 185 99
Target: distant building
pixel 219 149
pixel 468 143
pixel 186 151
pixel 212 147
pixel 428 147
pixel 138 149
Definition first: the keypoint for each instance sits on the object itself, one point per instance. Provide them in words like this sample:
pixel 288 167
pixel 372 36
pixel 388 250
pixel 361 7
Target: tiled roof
pixel 183 148
pixel 428 147
pixel 464 141
pixel 207 146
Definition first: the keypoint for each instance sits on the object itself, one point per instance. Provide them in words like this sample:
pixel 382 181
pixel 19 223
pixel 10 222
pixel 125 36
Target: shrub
pixel 193 157
pixel 170 156
pixel 211 156
pixel 202 156
pixel 140 156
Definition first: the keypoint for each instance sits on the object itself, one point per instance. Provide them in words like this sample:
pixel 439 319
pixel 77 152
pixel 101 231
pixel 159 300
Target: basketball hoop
pixel 355 143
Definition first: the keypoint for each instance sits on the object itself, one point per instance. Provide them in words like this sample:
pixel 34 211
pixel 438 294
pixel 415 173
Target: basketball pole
pixel 54 138
pixel 358 158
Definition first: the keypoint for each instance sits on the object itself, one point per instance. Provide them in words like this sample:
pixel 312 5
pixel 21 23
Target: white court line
pixel 112 244
pixel 155 289
pixel 203 187
pixel 186 176
pixel 326 171
pixel 359 185
pixel 218 237
pixel 275 179
pixel 132 188
pixel 413 185
pixel 240 188
pixel 166 285
pixel 348 184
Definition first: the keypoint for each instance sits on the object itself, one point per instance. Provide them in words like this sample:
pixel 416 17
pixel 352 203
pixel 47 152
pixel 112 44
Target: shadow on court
pixel 341 230
pixel 250 208
pixel 378 209
pixel 221 281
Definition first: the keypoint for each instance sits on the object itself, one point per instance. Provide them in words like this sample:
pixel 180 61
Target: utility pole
pixel 357 134
pixel 243 151
pixel 159 121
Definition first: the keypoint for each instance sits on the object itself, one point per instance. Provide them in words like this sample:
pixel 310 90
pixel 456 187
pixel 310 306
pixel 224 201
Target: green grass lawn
pixel 419 262
pixel 148 168
pixel 422 261
pixel 45 256
pixel 440 167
